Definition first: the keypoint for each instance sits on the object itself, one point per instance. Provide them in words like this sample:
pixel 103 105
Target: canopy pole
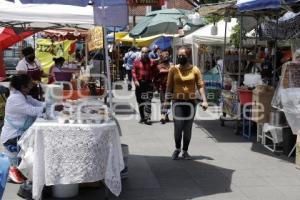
pixel 240 51
pixel 275 52
pixel 86 52
pixel 107 70
pixel 256 34
pixel 224 52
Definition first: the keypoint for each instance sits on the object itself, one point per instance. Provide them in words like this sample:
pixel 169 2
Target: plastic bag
pixel 252 80
pixel 290 98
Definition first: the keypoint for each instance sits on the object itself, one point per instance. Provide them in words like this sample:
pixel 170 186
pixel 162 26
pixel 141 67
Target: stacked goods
pixel 261 98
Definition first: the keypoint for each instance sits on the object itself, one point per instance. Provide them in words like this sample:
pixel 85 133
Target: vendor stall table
pixel 73 153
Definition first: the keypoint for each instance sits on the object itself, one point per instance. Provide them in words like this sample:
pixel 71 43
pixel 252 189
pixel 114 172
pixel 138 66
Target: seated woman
pixel 21 110
pixel 58 63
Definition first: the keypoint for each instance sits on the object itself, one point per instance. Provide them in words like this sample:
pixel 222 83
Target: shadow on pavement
pixel 160 178
pixel 222 134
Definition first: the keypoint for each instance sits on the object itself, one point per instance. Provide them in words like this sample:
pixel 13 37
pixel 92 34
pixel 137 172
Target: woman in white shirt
pixel 31 66
pixel 21 110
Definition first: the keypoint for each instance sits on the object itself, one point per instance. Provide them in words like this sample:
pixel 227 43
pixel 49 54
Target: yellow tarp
pixel 47 50
pixel 140 42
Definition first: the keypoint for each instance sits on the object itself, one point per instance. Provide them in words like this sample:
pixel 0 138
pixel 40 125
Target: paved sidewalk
pixel 225 166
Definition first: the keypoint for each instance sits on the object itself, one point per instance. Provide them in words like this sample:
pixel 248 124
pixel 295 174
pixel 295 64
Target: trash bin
pixel 65 191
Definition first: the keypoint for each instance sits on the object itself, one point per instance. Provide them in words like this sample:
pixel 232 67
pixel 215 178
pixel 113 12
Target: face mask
pixel 165 60
pixel 182 60
pixel 30 58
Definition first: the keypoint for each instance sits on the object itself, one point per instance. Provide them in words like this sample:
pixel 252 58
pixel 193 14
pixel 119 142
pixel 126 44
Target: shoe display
pixel 175 155
pixel 186 155
pixel 16 176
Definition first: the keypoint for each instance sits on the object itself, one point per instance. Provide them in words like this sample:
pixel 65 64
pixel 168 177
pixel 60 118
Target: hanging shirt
pixel 17 110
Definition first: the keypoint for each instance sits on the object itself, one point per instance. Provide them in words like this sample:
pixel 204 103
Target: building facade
pixel 137 12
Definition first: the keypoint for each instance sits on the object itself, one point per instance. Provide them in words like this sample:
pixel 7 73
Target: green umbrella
pixel 164 21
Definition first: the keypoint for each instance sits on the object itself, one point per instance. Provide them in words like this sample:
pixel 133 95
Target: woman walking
pixel 183 81
pixel 161 83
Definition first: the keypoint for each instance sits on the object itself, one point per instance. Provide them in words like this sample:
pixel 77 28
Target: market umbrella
pixel 164 21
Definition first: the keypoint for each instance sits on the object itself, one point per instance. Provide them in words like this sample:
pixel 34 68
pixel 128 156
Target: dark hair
pixel 27 51
pixel 187 50
pixel 17 81
pixel 59 60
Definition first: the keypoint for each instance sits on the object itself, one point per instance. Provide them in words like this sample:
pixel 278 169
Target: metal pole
pixel 107 70
pixel 224 52
pixel 275 52
pixel 240 51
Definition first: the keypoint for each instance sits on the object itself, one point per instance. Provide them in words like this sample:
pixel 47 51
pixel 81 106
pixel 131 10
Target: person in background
pixel 143 74
pixel 154 55
pixel 21 110
pixel 161 83
pixel 129 59
pixel 184 80
pixel 57 67
pixel 31 66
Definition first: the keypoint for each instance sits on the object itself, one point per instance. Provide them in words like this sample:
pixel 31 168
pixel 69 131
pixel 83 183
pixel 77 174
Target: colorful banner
pixel 47 49
pixel 95 38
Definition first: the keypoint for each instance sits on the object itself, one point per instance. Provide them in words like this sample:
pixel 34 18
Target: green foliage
pixel 235 36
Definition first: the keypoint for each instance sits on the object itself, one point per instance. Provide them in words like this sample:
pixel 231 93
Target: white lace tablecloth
pixel 73 153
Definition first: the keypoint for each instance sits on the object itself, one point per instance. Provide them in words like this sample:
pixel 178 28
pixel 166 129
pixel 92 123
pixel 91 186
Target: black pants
pixel 144 95
pixel 183 114
pixel 129 74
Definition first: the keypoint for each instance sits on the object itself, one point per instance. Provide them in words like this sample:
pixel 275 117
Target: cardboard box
pixel 261 98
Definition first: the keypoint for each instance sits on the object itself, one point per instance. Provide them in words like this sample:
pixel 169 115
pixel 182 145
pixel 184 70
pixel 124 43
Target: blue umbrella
pixel 162 42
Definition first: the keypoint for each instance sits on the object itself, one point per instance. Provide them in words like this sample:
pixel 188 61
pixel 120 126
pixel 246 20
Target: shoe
pixel 148 122
pixel 129 87
pixel 175 155
pixel 163 119
pixel 167 118
pixel 186 156
pixel 142 121
pixel 16 176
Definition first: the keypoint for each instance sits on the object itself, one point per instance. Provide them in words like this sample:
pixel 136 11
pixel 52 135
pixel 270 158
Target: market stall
pixel 81 114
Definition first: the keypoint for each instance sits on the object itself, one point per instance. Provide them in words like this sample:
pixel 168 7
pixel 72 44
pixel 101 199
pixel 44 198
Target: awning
pixel 216 9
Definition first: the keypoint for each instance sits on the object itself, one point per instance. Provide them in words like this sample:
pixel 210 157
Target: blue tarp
pixel 248 5
pixel 162 42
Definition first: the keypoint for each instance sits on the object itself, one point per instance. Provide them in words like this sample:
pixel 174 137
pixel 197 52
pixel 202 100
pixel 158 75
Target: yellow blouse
pixel 182 82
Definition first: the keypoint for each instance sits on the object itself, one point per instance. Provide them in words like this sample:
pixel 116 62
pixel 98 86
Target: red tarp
pixel 8 37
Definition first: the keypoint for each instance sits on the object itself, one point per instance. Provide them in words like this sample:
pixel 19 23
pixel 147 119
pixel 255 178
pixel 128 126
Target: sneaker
pixel 175 155
pixel 148 122
pixel 186 155
pixel 142 121
pixel 16 176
